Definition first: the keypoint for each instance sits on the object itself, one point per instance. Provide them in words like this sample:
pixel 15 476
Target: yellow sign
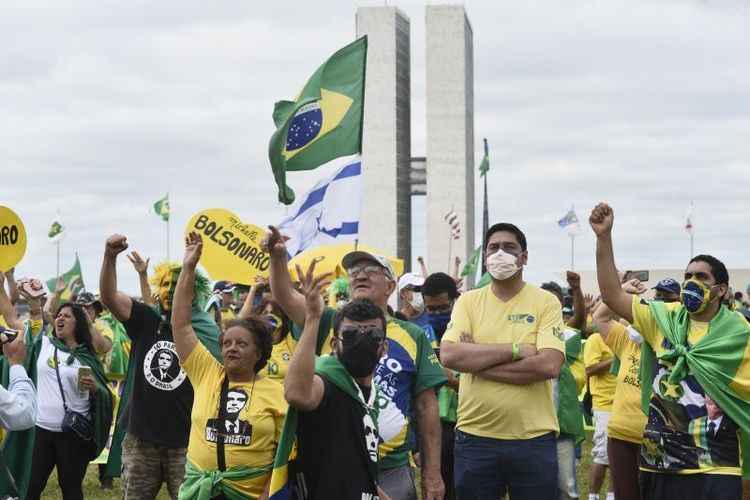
pixel 231 248
pixel 12 239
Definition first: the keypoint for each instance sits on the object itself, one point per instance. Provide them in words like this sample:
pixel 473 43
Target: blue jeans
pixel 487 469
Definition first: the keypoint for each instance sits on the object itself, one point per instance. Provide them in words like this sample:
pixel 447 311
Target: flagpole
pixel 572 252
pixel 167 239
pixel 692 245
pixel 58 258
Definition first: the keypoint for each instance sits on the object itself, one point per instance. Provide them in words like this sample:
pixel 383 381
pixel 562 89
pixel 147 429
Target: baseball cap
pixel 668 285
pixel 86 299
pixel 223 287
pixel 352 257
pixel 412 280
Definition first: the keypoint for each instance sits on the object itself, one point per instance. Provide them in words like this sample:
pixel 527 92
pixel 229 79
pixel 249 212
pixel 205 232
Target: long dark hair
pixel 82 333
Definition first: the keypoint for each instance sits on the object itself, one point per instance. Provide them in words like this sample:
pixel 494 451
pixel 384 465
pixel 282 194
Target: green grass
pixel 92 491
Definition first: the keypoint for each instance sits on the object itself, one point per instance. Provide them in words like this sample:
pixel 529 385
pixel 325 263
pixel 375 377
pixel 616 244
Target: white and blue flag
pixel 329 213
pixel 570 221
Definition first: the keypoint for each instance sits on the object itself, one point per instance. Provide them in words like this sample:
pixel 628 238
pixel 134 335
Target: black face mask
pixel 360 350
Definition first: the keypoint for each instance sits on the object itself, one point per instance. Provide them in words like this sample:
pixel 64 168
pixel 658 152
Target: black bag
pixel 73 421
pixel 587 405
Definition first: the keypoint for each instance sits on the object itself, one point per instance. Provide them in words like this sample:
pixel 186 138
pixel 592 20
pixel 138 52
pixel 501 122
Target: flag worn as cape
pixel 325 121
pixel 118 367
pixel 208 334
pixel 720 361
pixel 18 447
pixel 569 412
pixel 331 369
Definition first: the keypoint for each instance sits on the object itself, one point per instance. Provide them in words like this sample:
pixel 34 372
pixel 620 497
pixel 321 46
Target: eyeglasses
pixel 351 333
pixel 369 270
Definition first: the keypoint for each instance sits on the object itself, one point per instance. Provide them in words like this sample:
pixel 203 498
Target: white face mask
pixel 502 265
pixel 416 302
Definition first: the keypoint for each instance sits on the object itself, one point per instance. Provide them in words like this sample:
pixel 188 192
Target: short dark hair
pixel 438 283
pixel 261 332
pixel 553 287
pixel 718 269
pixel 358 310
pixel 738 295
pixel 509 228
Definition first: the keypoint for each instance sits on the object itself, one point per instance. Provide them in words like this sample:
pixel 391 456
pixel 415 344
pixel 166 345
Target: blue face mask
pixel 439 322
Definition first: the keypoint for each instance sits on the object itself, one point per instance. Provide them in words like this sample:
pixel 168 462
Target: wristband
pixel 516 352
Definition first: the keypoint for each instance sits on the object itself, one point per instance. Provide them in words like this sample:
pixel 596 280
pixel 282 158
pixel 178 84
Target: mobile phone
pixel 84 371
pixel 641 276
pixel 7 335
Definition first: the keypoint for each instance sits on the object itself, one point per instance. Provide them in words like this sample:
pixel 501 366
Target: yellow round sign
pixel 231 248
pixel 12 239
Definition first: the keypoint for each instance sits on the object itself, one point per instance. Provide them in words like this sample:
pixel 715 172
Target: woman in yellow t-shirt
pixel 237 413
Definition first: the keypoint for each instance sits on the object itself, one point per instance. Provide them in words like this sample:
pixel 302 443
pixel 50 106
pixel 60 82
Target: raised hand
pixel 634 287
pixel 574 280
pixel 602 218
pixel 15 352
pixel 116 244
pixel 193 250
pixel 311 286
pixel 140 265
pixel 274 242
pixel 60 286
pixel 588 301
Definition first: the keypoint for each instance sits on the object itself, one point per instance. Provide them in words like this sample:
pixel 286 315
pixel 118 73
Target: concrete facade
pixel 450 133
pixel 386 150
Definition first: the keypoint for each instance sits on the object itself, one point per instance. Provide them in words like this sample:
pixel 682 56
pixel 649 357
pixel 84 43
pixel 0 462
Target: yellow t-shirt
pixel 578 369
pixel 103 328
pixel 669 441
pixel 227 315
pixel 281 355
pixel 627 420
pixel 602 386
pixel 497 410
pixel 258 409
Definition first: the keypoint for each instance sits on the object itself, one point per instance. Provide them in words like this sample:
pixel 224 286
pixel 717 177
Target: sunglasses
pixel 351 333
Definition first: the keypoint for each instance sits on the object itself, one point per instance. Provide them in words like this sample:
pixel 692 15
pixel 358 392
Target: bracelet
pixel 516 352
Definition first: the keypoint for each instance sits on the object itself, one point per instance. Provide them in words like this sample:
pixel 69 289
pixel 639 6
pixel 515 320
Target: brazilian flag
pixel 73 281
pixel 161 207
pixel 325 121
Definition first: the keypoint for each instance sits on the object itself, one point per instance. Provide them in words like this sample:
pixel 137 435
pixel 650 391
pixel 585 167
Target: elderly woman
pixel 74 405
pixel 237 413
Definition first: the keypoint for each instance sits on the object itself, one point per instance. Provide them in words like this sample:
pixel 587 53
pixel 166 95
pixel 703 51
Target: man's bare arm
pixel 282 289
pixel 468 357
pixel 601 221
pixel 544 365
pixel 117 302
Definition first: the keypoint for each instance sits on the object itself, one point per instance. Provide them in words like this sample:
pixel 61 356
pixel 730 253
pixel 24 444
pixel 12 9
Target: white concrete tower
pixel 450 133
pixel 386 147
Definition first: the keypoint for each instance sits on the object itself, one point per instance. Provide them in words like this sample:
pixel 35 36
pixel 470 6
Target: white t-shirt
pixel 50 411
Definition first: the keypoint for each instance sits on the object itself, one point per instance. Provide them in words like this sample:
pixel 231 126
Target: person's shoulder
pixel 409 327
pixel 538 295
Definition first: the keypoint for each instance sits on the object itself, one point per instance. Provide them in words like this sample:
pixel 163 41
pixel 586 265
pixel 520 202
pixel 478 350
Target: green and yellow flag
pixel 470 269
pixel 325 121
pixel 73 281
pixel 161 207
pixel 56 232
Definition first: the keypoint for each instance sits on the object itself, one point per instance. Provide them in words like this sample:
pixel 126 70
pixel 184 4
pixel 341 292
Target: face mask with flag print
pixel 502 265
pixel 695 296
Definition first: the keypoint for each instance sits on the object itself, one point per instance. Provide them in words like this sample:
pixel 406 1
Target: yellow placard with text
pixel 231 248
pixel 12 239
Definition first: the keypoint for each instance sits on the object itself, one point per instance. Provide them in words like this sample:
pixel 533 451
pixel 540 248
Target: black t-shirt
pixel 162 397
pixel 334 441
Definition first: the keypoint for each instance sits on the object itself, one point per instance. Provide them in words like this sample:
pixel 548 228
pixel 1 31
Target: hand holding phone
pixel 86 379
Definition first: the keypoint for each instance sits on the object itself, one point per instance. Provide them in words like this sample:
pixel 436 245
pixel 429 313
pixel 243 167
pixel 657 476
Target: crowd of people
pixel 373 386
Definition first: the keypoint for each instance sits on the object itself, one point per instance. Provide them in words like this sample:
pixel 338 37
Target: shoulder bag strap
pixel 59 382
pixel 221 431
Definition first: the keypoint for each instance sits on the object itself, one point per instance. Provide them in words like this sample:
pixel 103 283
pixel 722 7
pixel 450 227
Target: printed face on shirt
pixel 236 400
pixel 165 360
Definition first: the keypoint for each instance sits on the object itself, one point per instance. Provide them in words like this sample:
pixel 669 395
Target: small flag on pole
pixel 485 165
pixel 56 232
pixel 470 269
pixel 569 222
pixel 689 220
pixel 73 281
pixel 161 207
pixel 452 219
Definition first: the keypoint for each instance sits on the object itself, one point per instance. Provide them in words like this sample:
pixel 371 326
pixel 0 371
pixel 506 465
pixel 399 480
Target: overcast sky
pixel 107 105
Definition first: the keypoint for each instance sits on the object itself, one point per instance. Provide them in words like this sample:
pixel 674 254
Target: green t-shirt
pixel 409 368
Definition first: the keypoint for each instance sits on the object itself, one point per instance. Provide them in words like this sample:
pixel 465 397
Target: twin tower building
pixel 391 175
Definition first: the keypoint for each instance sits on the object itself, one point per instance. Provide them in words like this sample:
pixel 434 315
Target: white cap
pixel 410 279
